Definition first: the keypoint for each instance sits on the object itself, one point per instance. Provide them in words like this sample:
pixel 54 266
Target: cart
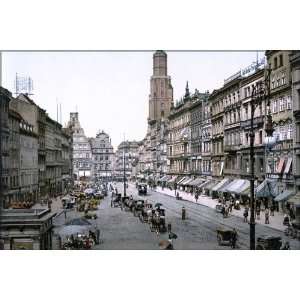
pixel 224 236
pixel 142 189
pixel 269 243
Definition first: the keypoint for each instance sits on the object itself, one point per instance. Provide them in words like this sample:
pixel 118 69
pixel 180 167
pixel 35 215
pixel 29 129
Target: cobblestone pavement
pixel 120 230
pixel 199 230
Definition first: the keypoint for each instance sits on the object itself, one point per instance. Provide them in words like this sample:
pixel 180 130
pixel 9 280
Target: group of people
pixel 82 241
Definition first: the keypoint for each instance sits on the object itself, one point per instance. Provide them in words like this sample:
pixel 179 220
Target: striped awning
pixel 266 189
pixel 221 184
pixel 187 181
pixel 285 195
pixel 181 180
pixel 211 184
pixel 243 187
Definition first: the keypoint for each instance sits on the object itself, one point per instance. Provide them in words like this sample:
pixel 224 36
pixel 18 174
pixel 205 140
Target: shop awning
pixel 221 184
pixel 187 181
pixel 182 179
pixel 191 183
pixel 204 184
pixel 235 186
pixel 246 192
pixel 196 182
pixel 280 165
pixel 288 165
pixel 245 186
pixel 266 189
pixel 163 178
pixel 172 180
pixel 285 195
pixel 210 185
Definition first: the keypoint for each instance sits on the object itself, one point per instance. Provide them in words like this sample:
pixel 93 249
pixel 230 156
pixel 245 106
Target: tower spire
pixel 187 91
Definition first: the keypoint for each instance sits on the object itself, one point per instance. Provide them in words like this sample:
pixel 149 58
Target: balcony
pixel 257 122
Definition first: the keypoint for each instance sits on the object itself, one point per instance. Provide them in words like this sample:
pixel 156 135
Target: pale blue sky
pixel 111 89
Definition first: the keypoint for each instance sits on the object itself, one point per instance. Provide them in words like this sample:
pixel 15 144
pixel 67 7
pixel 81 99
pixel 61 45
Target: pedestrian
pixel 258 213
pixel 196 197
pixel 272 209
pixel 246 215
pixel 65 213
pixel 183 213
pixel 267 221
pixel 233 239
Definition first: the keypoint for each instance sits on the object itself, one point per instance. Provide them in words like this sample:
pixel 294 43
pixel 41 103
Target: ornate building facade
pixel 102 156
pixel 82 153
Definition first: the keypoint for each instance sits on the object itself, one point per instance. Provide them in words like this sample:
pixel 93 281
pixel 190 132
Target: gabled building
pixel 82 153
pixel 102 156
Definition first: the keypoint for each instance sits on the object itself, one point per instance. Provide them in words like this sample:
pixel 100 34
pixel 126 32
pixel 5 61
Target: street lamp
pixel 260 92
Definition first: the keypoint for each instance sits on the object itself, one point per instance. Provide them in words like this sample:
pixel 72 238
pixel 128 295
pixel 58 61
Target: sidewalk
pixel 275 221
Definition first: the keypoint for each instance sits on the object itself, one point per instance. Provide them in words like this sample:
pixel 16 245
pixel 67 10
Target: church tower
pixel 161 90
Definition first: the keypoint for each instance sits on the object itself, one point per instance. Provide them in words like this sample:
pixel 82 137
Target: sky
pixel 110 90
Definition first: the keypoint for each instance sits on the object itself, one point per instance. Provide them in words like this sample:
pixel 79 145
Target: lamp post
pixel 260 92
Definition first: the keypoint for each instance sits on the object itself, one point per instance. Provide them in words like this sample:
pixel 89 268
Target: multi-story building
pixel 102 156
pixel 280 157
pixel 67 159
pixel 82 153
pixel 126 156
pixel 35 116
pixel 295 72
pixel 231 124
pixel 243 155
pixel 206 138
pixel 217 114
pixel 53 147
pixel 5 97
pixel 28 163
pixel 198 132
pixel 179 141
pixel 14 192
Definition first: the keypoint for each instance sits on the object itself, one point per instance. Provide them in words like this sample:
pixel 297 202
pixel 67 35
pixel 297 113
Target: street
pixel 120 230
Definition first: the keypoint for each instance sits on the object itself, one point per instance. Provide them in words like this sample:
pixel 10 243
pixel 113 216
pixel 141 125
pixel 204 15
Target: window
pixel 273 82
pixel 260 138
pixel 278 81
pixel 275 63
pixel 289 102
pixel 290 131
pixel 275 106
pixel 280 60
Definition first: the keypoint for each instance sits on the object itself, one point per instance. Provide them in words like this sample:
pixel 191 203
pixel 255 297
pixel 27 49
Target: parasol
pixel 73 229
pixel 78 222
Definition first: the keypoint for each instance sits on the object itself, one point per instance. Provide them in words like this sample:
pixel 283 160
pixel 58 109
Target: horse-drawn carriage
pixel 146 212
pixel 138 207
pixel 142 189
pixel 157 220
pixel 269 243
pixel 116 200
pixel 224 236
